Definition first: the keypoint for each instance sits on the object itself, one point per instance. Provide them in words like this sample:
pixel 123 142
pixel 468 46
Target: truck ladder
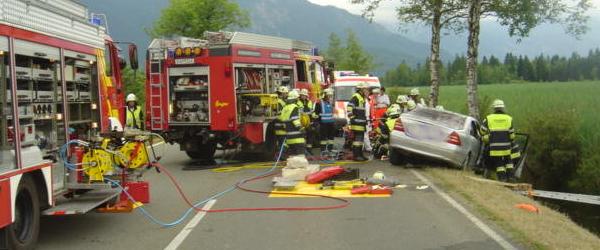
pixel 156 90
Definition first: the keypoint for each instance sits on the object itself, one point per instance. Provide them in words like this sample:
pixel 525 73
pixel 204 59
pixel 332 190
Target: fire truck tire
pixel 23 233
pixel 206 152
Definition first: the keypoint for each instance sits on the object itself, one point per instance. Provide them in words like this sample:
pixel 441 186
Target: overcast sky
pixel 386 13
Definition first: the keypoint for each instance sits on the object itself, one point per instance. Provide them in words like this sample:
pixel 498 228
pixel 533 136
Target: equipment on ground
pixel 324 174
pixel 369 189
pixel 342 185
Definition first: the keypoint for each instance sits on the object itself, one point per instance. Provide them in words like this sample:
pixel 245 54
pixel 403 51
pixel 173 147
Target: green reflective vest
pixel 291 118
pixel 134 118
pixel 499 133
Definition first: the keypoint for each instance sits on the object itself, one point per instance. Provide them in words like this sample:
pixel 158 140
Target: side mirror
pixel 133 57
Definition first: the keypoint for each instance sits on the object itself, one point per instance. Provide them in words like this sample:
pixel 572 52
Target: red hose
pixel 239 186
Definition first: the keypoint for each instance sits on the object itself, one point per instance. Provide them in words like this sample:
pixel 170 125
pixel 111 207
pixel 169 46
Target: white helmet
pixel 439 107
pixel 131 98
pixel 283 89
pixel 304 92
pixel 376 91
pixel 362 85
pixel 498 104
pixel 415 91
pixel 293 95
pixel 328 91
pixel 402 99
pixel 411 105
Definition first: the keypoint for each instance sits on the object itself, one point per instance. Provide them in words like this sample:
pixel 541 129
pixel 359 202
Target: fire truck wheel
pixel 206 152
pixel 23 233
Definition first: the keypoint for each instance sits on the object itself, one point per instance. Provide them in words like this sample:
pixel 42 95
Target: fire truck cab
pixel 59 81
pixel 220 91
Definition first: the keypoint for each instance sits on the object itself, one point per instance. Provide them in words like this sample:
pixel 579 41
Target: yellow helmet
pixel 293 95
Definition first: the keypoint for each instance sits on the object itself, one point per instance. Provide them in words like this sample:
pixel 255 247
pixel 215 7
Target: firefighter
pixel 399 106
pixel 499 134
pixel 415 95
pixel 282 93
pixel 290 116
pixel 306 113
pixel 410 106
pixel 383 132
pixel 358 120
pixel 324 114
pixel 134 115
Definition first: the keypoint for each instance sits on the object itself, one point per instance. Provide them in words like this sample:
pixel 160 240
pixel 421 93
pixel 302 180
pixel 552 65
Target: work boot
pixel 358 156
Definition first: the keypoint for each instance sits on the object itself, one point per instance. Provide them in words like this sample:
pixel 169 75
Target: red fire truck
pixel 59 80
pixel 219 91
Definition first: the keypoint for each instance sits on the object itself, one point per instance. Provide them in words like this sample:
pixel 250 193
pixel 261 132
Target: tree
pixel 192 18
pixel 356 58
pixel 135 83
pixel 335 50
pixel 520 16
pixel 439 14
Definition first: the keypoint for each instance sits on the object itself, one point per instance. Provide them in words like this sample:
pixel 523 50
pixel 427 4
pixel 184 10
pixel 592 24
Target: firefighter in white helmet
pixel 134 115
pixel 399 107
pixel 277 126
pixel 324 114
pixel 415 95
pixel 290 116
pixel 499 134
pixel 358 120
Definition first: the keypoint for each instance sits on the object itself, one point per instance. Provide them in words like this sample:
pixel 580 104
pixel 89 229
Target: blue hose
pixel 189 210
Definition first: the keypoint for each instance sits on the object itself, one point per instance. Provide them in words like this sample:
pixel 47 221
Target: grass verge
pixel 547 229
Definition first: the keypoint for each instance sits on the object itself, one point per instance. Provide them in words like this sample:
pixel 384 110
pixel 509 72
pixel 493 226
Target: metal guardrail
pixel 581 198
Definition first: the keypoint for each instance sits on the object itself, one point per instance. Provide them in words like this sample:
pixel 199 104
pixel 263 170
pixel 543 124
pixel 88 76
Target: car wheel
pixel 23 233
pixel 395 157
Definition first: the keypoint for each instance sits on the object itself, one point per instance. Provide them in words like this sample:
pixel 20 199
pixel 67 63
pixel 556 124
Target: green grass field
pixel 526 99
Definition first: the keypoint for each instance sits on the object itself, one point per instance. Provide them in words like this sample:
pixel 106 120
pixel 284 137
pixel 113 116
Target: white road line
pixel 485 228
pixel 189 227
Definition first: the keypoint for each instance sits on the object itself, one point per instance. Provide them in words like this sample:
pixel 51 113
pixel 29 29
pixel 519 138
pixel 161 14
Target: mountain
pixel 297 19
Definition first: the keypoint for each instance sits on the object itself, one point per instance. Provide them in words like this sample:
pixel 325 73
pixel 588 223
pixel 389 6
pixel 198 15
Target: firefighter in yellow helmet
pixel 290 116
pixel 358 121
pixel 134 115
pixel 499 134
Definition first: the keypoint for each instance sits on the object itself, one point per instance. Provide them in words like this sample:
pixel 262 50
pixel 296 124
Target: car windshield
pixel 344 93
pixel 450 120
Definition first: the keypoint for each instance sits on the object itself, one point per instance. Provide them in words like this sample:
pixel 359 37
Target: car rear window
pixel 450 120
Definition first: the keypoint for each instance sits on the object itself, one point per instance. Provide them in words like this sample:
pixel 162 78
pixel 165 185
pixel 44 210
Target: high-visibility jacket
pixel 134 118
pixel 498 131
pixel 324 111
pixel 357 113
pixel 386 127
pixel 291 118
pixel 279 126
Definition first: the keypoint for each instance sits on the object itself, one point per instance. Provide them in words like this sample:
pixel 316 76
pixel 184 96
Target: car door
pixel 478 146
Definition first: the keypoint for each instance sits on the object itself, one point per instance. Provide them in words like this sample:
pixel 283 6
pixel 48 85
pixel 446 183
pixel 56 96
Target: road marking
pixel 189 227
pixel 485 228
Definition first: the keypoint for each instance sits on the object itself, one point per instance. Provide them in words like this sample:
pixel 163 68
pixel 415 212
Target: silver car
pixel 437 135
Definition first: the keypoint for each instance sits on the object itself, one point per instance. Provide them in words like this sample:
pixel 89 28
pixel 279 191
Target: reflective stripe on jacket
pixel 134 118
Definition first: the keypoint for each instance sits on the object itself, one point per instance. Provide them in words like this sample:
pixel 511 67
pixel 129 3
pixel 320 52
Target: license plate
pixel 184 61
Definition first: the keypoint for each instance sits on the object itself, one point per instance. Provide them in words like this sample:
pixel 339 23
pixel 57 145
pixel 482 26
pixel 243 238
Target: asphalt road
pixel 409 219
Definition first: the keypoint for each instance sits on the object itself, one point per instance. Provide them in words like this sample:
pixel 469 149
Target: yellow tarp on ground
pixel 305 188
